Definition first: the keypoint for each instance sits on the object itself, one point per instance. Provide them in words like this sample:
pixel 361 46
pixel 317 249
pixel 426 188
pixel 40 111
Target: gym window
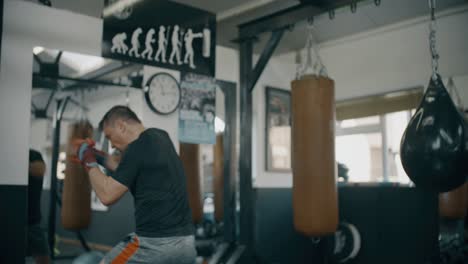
pixel 368 134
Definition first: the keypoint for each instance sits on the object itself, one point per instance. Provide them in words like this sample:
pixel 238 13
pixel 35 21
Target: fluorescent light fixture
pixel 117 6
pixel 82 64
pixel 37 50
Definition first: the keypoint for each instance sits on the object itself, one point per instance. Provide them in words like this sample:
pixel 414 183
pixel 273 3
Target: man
pixel 189 36
pixel 151 169
pixel 176 45
pixel 36 240
pixel 162 44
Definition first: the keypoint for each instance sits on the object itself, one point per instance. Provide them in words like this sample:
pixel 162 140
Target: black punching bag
pixel 433 145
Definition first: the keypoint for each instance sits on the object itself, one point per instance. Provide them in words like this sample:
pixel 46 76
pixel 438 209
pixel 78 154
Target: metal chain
pixel 313 59
pixel 432 41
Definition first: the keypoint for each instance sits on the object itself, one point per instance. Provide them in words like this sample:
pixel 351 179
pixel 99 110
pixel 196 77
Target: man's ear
pixel 121 125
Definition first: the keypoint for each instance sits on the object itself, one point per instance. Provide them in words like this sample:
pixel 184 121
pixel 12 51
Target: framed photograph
pixel 278 129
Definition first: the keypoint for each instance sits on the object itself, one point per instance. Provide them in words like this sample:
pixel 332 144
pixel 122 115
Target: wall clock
pixel 162 93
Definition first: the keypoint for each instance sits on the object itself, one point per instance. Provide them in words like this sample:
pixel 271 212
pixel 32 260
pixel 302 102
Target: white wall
pixel 461 84
pixel 397 56
pixel 53 29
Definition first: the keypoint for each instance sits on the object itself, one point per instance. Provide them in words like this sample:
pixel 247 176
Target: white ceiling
pixel 231 13
pixel 345 23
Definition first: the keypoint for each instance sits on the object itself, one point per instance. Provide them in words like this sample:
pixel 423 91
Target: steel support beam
pixel 245 160
pixel 265 57
pixel 288 17
pixel 61 105
pixel 248 78
pixel 39 77
pixel 229 173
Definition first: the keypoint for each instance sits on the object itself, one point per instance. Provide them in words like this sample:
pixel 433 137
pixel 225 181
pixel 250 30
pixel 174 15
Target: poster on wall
pixel 197 109
pixel 161 33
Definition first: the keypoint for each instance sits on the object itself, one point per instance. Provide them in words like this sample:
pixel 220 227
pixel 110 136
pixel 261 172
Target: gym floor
pixel 67 253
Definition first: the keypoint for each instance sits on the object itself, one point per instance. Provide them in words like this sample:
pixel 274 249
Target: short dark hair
pixel 118 112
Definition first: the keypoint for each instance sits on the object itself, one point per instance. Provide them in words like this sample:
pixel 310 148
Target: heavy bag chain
pixel 432 41
pixel 313 59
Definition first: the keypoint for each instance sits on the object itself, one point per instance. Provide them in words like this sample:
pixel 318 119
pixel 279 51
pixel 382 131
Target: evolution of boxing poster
pixel 160 33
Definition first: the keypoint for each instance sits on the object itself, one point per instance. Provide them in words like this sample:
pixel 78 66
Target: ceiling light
pixel 37 50
pixel 117 6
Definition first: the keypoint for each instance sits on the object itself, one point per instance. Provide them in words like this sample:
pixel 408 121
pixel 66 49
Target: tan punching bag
pixel 453 204
pixel 190 156
pixel 76 197
pixel 218 178
pixel 315 202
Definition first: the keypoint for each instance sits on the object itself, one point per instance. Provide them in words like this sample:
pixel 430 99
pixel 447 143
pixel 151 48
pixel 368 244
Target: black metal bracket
pixel 37 59
pixel 248 78
pixel 265 57
pixel 229 172
pixel 290 16
pixel 61 105
pixel 42 77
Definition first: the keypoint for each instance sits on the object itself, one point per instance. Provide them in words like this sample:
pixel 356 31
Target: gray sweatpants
pixel 157 250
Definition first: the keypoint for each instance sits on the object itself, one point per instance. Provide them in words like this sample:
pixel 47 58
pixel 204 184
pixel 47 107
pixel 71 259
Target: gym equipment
pixel 433 145
pixel 54 196
pixel 189 154
pixel 218 179
pixel 345 244
pixel 315 203
pixel 76 198
pixel 433 150
pixel 453 204
pixel 206 43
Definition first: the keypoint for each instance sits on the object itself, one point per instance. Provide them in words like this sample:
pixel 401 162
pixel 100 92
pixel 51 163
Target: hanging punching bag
pixel 218 178
pixel 189 155
pixel 433 145
pixel 76 197
pixel 315 205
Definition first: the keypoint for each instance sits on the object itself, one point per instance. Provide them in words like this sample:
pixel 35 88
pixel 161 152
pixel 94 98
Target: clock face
pixel 162 93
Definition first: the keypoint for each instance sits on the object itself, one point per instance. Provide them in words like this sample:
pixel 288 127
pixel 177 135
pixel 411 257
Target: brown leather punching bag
pixel 190 156
pixel 218 178
pixel 76 197
pixel 315 202
pixel 453 204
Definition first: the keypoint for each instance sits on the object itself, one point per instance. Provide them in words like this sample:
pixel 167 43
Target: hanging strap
pixel 432 41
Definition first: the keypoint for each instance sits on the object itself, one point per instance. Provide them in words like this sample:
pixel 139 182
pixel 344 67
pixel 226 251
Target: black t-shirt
pixel 153 172
pixel 34 191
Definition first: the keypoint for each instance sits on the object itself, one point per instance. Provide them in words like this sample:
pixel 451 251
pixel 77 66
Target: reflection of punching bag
pixel 189 155
pixel 315 204
pixel 433 145
pixel 76 197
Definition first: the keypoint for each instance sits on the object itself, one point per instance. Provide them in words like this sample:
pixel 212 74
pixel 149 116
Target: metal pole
pixel 383 125
pixel 61 104
pixel 229 173
pixel 245 161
